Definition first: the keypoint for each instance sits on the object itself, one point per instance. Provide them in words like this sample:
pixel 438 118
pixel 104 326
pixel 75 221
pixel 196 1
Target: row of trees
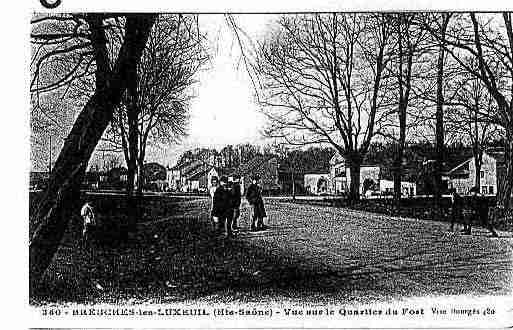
pixel 350 79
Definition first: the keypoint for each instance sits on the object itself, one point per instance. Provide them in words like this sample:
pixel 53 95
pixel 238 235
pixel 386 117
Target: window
pixel 481 174
pixel 484 191
pixel 340 171
pixel 490 190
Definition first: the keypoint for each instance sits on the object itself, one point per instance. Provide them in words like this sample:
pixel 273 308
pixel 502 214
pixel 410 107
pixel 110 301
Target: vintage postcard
pixel 276 166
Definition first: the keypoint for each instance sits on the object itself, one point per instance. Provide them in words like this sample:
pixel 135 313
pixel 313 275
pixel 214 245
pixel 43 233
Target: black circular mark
pixel 50 5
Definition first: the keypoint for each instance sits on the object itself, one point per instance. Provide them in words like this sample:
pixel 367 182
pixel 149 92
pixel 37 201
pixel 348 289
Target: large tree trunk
pixel 133 138
pixel 439 116
pixel 56 207
pixel 399 154
pixel 398 173
pixel 132 152
pixel 478 160
pixel 506 183
pixel 140 171
pixel 355 163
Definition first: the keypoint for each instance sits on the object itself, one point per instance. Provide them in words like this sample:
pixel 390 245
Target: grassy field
pixel 311 254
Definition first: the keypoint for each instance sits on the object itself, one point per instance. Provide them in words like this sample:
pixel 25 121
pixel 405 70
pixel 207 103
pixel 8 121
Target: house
pixel 408 189
pixel 340 175
pixel 338 179
pixel 463 176
pixel 191 176
pixel 38 180
pixel 94 179
pixel 116 178
pixel 199 180
pixel 177 175
pixel 317 183
pixel 154 176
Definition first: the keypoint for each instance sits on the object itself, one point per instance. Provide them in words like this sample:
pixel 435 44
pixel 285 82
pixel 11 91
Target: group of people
pixel 226 200
pixel 478 206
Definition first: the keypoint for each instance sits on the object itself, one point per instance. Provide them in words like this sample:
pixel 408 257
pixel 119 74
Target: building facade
pixel 191 176
pixel 463 177
pixel 340 175
pixel 338 180
pixel 317 184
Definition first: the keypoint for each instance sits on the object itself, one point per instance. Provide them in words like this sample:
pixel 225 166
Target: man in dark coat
pixel 254 197
pixel 222 208
pixel 236 198
pixel 479 212
pixel 457 208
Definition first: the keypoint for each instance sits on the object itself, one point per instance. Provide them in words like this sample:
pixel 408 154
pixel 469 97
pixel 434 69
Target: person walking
pixel 479 212
pixel 254 197
pixel 236 198
pixel 456 208
pixel 214 183
pixel 222 209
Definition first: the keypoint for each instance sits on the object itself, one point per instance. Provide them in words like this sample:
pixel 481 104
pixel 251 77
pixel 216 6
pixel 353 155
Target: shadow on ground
pixel 180 258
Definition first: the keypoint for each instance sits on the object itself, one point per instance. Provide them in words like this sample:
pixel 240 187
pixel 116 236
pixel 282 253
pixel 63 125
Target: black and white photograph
pixel 349 166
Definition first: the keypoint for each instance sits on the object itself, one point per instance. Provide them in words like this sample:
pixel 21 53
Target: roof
pixel 186 164
pixel 198 171
pixel 337 159
pixel 461 169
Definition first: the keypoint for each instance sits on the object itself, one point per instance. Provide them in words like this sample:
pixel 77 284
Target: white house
pixel 407 188
pixel 338 180
pixel 190 176
pixel 463 176
pixel 173 178
pixel 317 184
pixel 340 175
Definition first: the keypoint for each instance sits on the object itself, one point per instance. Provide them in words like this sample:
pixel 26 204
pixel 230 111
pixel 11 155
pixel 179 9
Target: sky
pixel 223 111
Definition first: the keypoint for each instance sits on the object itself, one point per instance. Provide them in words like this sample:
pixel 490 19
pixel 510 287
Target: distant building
pixel 408 189
pixel 317 183
pixel 337 180
pixel 38 180
pixel 154 177
pixel 463 176
pixel 340 175
pixel 191 176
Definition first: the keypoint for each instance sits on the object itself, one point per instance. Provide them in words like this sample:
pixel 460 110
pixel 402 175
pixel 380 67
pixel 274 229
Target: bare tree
pixel 172 57
pixel 442 24
pixel 67 47
pixel 469 117
pixel 322 81
pixel 408 65
pixel 487 39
